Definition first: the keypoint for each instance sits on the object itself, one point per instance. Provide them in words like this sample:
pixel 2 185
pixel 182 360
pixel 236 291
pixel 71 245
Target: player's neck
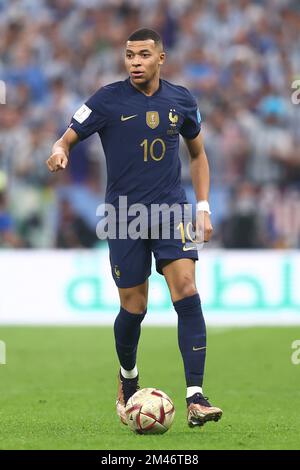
pixel 148 88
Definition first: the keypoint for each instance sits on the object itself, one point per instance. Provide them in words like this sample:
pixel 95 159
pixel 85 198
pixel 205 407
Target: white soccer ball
pixel 150 411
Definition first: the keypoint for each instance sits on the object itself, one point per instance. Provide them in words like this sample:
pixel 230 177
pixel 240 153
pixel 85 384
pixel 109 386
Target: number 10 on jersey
pixel 157 149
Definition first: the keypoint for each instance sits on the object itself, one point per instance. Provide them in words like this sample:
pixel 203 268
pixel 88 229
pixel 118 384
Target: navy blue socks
pixel 191 338
pixel 127 329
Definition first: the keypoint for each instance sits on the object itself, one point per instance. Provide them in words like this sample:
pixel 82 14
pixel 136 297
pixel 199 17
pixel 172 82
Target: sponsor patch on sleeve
pixel 82 113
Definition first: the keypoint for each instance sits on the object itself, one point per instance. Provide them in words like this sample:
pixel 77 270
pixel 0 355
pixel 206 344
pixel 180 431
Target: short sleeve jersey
pixel 140 138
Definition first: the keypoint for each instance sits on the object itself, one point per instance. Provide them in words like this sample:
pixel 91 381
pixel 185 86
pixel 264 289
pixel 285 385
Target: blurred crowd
pixel 239 58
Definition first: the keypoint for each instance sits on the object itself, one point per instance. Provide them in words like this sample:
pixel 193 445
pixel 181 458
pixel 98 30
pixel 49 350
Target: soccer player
pixel 139 121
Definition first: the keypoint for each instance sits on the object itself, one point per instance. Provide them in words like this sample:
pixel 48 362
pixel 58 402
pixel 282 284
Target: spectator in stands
pixel 73 231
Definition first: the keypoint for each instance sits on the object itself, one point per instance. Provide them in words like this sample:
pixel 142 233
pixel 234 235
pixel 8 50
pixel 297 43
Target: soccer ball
pixel 150 411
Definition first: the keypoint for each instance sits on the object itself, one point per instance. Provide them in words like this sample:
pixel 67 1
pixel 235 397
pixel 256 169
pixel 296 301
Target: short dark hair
pixel 143 34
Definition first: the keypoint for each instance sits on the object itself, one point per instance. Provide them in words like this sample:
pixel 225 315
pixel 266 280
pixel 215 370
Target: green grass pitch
pixel 58 388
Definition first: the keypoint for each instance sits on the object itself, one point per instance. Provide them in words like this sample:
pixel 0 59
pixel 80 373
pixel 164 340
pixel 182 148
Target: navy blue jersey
pixel 140 138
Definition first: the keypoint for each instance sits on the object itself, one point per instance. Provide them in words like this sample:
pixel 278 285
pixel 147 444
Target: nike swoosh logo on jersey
pixel 187 248
pixel 198 349
pixel 123 118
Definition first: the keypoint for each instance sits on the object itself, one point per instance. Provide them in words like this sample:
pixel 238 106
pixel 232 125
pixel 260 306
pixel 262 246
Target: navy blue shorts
pixel 131 259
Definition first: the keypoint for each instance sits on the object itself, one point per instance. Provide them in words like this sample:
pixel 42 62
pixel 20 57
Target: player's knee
pixel 134 304
pixel 135 307
pixel 186 288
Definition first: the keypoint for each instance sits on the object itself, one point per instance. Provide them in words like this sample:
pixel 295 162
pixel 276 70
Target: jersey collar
pixel 138 91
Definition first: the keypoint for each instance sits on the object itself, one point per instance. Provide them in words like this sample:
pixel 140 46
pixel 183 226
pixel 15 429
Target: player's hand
pixel 204 227
pixel 57 161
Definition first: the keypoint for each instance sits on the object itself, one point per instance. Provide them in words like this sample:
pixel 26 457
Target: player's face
pixel 143 60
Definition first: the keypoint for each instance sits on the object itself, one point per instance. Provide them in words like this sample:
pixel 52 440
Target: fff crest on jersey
pixel 152 119
pixel 173 117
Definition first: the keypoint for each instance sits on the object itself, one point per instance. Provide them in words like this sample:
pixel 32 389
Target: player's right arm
pixel 91 117
pixel 61 150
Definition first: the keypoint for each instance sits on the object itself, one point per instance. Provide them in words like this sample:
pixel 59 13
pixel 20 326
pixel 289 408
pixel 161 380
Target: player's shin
pixel 127 330
pixel 192 340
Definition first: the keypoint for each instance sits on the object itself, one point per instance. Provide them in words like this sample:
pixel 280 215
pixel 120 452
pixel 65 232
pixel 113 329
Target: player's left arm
pixel 199 169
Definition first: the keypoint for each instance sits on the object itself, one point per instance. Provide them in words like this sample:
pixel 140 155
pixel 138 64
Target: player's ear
pixel 162 57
